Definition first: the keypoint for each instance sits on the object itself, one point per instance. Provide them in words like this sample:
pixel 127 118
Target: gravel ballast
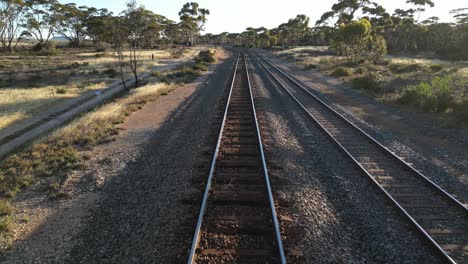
pixel 337 214
pixel 143 218
pixel 439 152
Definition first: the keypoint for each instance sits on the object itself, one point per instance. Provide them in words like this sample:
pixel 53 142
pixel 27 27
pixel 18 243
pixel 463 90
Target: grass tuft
pixel 367 83
pixel 341 72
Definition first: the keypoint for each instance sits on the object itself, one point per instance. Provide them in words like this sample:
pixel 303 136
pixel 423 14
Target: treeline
pixel 41 20
pixel 364 25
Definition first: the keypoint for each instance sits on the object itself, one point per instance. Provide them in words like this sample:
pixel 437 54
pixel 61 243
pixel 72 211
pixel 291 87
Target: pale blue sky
pixel 237 15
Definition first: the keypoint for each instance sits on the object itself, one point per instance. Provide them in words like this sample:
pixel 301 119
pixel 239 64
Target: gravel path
pixel 439 152
pixel 337 214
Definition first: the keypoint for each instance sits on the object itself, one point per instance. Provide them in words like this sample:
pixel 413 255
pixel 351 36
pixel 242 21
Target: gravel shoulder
pixel 126 206
pixel 440 153
pixel 338 217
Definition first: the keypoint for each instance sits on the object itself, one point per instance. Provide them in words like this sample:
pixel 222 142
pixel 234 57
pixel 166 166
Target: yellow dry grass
pixel 110 111
pixel 17 104
pixel 24 99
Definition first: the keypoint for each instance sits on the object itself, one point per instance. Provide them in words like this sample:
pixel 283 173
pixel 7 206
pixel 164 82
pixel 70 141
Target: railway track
pixel 237 222
pixel 439 217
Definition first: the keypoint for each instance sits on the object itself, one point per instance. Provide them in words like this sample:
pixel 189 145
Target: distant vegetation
pixel 375 33
pixel 136 28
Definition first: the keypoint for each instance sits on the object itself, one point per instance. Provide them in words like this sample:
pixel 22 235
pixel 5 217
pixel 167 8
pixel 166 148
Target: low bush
pixel 102 47
pixel 110 71
pixel 5 208
pixel 437 67
pixel 310 66
pixel 436 96
pixel 61 90
pixel 405 67
pixel 200 66
pixel 183 74
pixel 205 56
pixel 368 83
pixel 46 49
pixel 342 71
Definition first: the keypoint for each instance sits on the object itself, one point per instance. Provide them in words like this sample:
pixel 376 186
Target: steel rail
pixel 392 154
pixel 196 237
pixel 265 172
pixel 431 241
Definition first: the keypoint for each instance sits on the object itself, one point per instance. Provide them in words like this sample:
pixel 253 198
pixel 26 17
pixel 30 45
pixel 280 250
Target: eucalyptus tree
pixel 192 21
pixel 72 21
pixel 97 26
pixel 11 15
pixel 344 10
pixel 41 19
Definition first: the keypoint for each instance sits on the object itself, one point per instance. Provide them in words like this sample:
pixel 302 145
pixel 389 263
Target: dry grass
pixel 388 80
pixel 29 84
pixel 49 161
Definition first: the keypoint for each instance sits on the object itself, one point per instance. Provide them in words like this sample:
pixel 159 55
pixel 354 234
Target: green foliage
pixel 192 20
pixel 110 71
pixel 405 67
pixel 46 49
pixel 341 71
pixel 200 66
pixel 437 67
pixel 205 56
pixel 42 160
pixel 355 31
pixel 354 39
pixel 61 90
pixel 310 66
pixel 5 208
pixel 377 48
pixel 183 74
pixel 368 83
pixel 436 96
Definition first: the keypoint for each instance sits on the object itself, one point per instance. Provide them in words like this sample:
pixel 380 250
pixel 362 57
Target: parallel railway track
pixel 237 222
pixel 439 217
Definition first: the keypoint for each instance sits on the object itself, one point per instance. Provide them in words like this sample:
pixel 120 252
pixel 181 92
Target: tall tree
pixel 11 15
pixel 192 21
pixel 72 21
pixel 41 19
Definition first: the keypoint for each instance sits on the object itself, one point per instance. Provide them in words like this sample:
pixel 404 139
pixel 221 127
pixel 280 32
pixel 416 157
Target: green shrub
pixel 5 208
pixel 325 61
pixel 368 83
pixel 436 96
pixel 46 49
pixel 437 67
pixel 156 74
pixel 61 90
pixel 102 47
pixel 205 56
pixel 404 67
pixel 200 67
pixel 110 71
pixel 342 71
pixel 310 66
pixel 183 74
